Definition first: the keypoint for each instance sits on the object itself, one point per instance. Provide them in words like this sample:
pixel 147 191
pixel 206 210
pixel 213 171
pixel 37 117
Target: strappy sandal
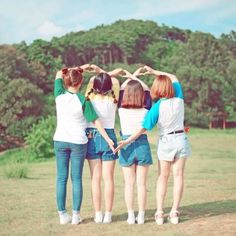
pixel 159 217
pixel 174 217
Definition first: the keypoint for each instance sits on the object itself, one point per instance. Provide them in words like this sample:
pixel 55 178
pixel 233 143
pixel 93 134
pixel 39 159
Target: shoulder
pixel 81 97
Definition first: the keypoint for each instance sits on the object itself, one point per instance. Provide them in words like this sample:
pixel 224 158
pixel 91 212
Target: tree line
pixel 205 65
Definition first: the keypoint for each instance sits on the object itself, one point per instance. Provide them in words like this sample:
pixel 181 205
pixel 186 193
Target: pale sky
pixel 33 19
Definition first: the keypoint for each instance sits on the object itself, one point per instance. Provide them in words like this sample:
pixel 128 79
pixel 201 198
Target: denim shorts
pixel 98 147
pixel 173 146
pixel 138 152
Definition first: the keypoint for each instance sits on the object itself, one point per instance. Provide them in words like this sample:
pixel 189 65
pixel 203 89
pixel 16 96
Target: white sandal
pixel 174 219
pixel 159 217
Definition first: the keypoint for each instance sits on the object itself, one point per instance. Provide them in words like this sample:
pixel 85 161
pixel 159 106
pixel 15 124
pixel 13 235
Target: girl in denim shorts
pixel 173 146
pixel 135 158
pixel 70 140
pixel 103 92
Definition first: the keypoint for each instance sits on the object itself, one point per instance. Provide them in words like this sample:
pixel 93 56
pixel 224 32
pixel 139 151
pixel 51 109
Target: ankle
pixel 131 213
pixel 75 212
pixel 64 217
pixel 159 213
pixel 174 213
pixel 141 214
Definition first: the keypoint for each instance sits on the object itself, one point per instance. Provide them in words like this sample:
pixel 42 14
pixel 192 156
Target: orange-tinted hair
pixel 133 95
pixel 72 77
pixel 162 88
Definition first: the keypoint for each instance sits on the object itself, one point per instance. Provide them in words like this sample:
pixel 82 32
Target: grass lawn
pixel 28 205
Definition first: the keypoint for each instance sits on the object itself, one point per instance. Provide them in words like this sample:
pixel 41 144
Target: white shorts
pixel 173 146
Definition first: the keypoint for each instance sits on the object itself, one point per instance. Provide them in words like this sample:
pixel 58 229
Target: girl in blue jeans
pixel 70 140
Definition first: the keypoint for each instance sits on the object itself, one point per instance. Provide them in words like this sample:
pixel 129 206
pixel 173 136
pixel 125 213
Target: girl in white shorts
pixel 173 145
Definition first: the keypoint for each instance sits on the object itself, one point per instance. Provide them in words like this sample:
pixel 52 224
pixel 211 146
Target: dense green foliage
pixel 205 65
pixel 39 139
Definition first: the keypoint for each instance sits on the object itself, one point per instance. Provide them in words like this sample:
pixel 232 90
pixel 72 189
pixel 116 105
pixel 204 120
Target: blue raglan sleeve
pixel 178 90
pixel 152 116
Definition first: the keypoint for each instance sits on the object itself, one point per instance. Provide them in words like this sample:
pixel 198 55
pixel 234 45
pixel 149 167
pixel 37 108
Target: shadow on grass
pixel 190 212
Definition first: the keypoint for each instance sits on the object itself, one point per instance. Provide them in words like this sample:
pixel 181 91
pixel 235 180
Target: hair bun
pixel 64 71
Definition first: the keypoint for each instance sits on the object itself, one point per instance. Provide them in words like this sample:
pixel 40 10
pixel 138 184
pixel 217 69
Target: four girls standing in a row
pixel 85 129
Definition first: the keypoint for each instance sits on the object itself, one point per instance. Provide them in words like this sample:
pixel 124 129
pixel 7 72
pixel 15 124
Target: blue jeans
pixel 66 152
pixel 98 147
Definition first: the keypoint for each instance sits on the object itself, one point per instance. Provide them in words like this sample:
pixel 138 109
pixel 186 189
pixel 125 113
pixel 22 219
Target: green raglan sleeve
pixel 58 87
pixel 88 110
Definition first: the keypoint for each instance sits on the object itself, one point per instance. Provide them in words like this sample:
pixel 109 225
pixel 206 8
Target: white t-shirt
pixel 105 109
pixel 104 104
pixel 131 120
pixel 73 112
pixel 168 114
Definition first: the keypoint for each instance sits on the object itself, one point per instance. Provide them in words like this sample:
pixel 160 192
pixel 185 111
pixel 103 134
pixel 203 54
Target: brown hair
pixel 72 77
pixel 133 95
pixel 162 88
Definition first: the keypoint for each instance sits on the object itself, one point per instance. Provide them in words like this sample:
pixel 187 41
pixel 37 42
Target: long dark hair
pixel 102 84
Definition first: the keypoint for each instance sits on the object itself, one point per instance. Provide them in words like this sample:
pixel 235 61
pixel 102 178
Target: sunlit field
pixel 28 205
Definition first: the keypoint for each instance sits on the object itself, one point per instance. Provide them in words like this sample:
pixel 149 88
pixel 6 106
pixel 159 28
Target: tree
pixel 21 105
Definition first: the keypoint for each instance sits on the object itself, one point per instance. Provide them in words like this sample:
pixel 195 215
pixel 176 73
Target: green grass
pixel 16 170
pixel 28 205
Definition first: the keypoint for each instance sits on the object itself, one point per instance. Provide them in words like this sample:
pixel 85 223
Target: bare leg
pixel 178 174
pixel 164 172
pixel 108 168
pixel 96 173
pixel 129 177
pixel 141 176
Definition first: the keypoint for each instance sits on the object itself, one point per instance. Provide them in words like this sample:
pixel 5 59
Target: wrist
pixel 129 140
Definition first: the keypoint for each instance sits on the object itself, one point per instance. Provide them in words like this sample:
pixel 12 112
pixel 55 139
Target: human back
pixel 103 92
pixel 70 109
pixel 133 105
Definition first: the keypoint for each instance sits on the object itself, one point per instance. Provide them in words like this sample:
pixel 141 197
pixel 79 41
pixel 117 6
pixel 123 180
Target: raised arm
pixel 116 72
pixel 176 84
pixel 59 74
pixel 59 84
pixel 151 71
pixel 96 69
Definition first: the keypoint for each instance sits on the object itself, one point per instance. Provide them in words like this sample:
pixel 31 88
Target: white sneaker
pixel 76 219
pixel 107 217
pixel 140 218
pixel 64 218
pixel 98 217
pixel 131 218
pixel 159 217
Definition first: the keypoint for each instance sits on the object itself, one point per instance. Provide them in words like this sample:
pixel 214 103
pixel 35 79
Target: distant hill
pixel 205 65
